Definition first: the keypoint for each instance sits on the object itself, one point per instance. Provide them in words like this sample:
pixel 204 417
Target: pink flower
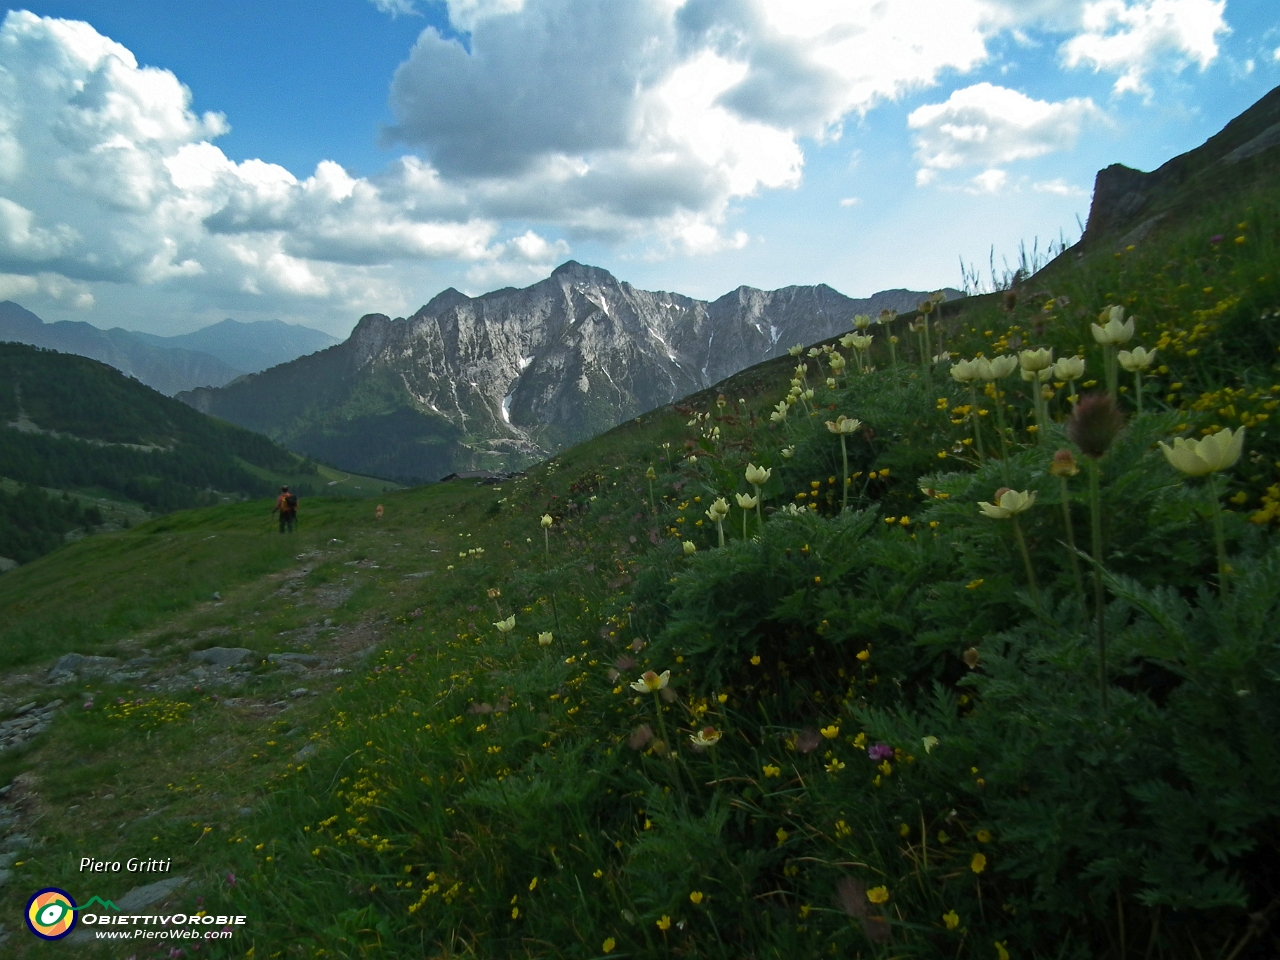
pixel 879 751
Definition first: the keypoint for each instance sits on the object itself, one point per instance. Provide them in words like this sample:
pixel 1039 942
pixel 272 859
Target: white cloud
pixel 465 14
pixel 850 201
pixel 396 8
pixel 667 112
pixel 986 125
pixel 1131 37
pixel 1060 187
pixel 107 175
pixel 645 122
pixel 988 181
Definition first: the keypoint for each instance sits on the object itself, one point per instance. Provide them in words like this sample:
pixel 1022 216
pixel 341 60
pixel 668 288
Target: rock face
pixel 500 380
pixel 26 723
pixel 1128 204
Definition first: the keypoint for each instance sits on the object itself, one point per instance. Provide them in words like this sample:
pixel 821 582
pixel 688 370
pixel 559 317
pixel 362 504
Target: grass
pixel 476 793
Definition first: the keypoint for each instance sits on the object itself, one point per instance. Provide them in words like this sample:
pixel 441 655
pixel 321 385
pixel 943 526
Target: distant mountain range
pixel 503 379
pixel 212 356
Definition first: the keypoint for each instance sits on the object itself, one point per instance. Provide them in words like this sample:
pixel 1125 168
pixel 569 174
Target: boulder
pixel 225 657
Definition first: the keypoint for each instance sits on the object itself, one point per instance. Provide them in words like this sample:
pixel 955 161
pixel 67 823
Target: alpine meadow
pixel 953 635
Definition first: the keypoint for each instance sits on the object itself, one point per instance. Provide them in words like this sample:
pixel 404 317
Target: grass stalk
pixel 844 479
pixel 1004 440
pixel 1026 561
pixel 1219 538
pixel 1099 597
pixel 977 421
pixel 1071 540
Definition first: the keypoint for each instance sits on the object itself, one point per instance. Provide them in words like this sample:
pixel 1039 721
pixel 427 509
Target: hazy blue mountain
pixel 249 347
pixel 503 379
pixel 169 370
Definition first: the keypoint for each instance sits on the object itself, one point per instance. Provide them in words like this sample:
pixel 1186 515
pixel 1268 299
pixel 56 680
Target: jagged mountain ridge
pixel 504 378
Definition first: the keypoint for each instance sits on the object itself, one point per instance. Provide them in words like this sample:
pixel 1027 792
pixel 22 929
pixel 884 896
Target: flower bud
pixel 1094 424
pixel 1064 464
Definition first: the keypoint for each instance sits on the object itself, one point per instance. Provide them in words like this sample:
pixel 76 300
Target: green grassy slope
pixel 911 758
pixel 72 424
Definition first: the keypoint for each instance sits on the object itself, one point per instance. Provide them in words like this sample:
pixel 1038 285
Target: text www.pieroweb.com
pixel 154 926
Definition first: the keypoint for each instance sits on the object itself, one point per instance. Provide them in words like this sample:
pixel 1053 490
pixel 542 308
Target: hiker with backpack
pixel 287 507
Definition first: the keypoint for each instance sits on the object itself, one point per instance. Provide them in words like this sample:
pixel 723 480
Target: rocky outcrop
pixel 506 378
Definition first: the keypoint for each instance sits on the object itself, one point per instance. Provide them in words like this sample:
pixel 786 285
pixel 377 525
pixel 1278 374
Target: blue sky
pixel 165 166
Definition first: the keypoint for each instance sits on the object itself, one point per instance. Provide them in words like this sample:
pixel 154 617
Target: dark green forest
pixel 32 522
pixel 77 424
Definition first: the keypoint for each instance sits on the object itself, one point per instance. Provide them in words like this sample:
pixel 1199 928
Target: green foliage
pixel 32 522
pixel 876 739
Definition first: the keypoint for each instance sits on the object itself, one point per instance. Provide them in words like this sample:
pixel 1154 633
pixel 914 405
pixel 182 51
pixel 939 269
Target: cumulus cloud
pixel 397 8
pixel 665 112
pixel 106 174
pixel 1129 38
pixel 644 122
pixel 1060 187
pixel 987 125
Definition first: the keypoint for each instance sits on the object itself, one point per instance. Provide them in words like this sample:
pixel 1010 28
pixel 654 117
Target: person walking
pixel 287 507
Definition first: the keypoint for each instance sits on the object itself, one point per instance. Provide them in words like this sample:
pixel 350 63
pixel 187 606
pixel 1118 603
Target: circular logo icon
pixel 51 913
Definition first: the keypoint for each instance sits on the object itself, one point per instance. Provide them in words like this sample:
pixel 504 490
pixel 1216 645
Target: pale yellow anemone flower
pixel 1009 503
pixel 651 682
pixel 1196 458
pixel 1139 358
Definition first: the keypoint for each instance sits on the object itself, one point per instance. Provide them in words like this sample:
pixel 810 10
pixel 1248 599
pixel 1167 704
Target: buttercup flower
pixel 544 639
pixel 507 625
pixel 1196 458
pixel 847 341
pixel 878 895
pixel 651 682
pixel 951 919
pixel 757 476
pixel 796 350
pixel 689 548
pixel 1008 503
pixel 861 343
pixel 978 863
pixel 718 510
pixel 861 321
pixel 1113 332
pixel 746 501
pixel 1139 358
pixel 836 362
